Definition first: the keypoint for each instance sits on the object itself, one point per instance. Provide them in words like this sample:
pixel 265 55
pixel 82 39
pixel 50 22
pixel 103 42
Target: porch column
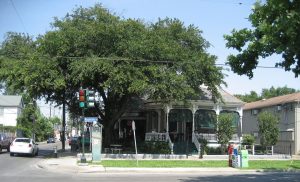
pixel 217 109
pixel 240 111
pixel 167 110
pixel 119 123
pixel 194 109
pixel 158 120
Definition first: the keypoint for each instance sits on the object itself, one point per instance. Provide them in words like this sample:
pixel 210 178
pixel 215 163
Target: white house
pixel 10 108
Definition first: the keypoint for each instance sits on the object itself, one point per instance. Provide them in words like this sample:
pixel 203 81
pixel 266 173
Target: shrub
pixel 213 151
pixel 248 140
pixel 155 147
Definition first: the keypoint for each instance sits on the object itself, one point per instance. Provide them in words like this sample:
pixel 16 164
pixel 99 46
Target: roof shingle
pixel 295 97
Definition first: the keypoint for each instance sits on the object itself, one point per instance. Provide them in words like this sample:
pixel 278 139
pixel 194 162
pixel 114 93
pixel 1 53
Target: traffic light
pixel 90 98
pixel 82 98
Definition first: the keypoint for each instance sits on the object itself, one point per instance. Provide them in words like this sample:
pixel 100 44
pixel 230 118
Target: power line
pixel 16 11
pixel 142 61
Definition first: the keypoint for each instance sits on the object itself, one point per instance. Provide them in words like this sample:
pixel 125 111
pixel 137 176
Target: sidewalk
pixel 69 164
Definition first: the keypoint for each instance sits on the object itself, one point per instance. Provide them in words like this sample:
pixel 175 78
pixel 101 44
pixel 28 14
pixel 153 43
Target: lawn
pixel 274 164
pixel 164 163
pixel 254 164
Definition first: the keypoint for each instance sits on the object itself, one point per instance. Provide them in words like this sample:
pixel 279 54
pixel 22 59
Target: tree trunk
pixel 108 129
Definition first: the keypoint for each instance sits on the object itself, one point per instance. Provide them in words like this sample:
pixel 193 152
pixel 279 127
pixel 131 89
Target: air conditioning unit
pixel 279 108
pixel 254 111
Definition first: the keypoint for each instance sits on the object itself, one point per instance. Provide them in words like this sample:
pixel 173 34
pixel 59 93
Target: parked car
pixel 24 146
pixel 5 142
pixel 73 140
pixel 51 140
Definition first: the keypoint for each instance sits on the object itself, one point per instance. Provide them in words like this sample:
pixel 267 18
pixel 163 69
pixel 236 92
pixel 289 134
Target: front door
pixel 188 131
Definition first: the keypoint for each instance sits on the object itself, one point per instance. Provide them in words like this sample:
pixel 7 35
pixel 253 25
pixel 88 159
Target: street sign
pixel 90 119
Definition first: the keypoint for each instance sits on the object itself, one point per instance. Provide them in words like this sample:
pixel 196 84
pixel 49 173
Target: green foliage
pixel 266 94
pixel 31 121
pixel 214 151
pixel 225 130
pixel 203 143
pixel 122 59
pixel 275 30
pixel 7 129
pixel 165 163
pixel 248 139
pixel 155 147
pixel 274 92
pixel 268 129
pixel 252 97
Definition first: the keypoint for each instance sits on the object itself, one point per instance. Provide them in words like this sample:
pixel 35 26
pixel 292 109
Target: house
pixel 183 123
pixel 287 108
pixel 10 108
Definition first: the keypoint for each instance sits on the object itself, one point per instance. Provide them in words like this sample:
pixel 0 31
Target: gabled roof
pixel 10 100
pixel 227 98
pixel 295 97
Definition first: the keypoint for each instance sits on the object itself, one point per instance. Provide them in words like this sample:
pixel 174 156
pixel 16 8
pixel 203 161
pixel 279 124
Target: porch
pixel 183 128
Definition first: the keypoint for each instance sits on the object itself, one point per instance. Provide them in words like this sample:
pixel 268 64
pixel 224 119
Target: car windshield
pixel 24 140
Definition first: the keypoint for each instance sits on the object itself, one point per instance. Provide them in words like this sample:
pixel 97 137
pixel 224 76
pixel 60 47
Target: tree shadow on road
pixel 260 176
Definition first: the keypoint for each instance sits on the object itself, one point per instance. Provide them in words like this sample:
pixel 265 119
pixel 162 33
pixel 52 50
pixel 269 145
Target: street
pixel 25 169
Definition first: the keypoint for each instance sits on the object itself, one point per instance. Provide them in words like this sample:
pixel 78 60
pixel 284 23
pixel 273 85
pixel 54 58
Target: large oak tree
pixel 122 59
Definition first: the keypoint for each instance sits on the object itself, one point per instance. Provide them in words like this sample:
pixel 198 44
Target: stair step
pixel 296 157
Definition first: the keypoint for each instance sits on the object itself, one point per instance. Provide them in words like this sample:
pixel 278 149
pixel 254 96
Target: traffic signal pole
pixel 63 140
pixel 86 100
pixel 83 158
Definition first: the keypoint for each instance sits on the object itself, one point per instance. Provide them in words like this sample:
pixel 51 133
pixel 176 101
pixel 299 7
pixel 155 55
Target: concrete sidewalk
pixel 69 164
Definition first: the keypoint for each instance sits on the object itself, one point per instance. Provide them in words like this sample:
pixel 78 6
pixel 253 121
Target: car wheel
pixel 32 154
pixel 11 154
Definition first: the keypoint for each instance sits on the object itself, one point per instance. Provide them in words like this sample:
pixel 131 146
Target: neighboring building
pixel 287 108
pixel 10 108
pixel 180 123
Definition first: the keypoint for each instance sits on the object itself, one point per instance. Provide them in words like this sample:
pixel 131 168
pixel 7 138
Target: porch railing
pixel 196 142
pixel 210 137
pixel 153 136
pixel 164 137
pixel 206 136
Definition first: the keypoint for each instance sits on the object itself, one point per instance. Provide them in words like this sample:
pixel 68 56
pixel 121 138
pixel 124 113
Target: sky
pixel 214 17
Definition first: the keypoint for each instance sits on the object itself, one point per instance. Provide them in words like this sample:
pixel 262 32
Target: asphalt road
pixel 24 169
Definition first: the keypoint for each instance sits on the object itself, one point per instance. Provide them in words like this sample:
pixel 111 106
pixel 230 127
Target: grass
pixel 163 163
pixel 274 164
pixel 254 164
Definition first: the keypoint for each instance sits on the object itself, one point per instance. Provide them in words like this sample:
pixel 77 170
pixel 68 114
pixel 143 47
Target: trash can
pixel 244 158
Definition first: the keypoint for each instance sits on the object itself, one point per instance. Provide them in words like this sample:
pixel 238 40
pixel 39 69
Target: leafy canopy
pixel 266 94
pixel 276 27
pixel 120 58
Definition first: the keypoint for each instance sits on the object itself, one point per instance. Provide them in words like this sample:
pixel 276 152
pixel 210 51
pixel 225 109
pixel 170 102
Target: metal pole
pixel 63 122
pixel 83 159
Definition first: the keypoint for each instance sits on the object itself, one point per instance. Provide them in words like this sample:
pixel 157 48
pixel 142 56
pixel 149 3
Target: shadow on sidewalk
pixel 66 153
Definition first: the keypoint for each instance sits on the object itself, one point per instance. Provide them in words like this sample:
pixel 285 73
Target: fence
pixel 270 150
